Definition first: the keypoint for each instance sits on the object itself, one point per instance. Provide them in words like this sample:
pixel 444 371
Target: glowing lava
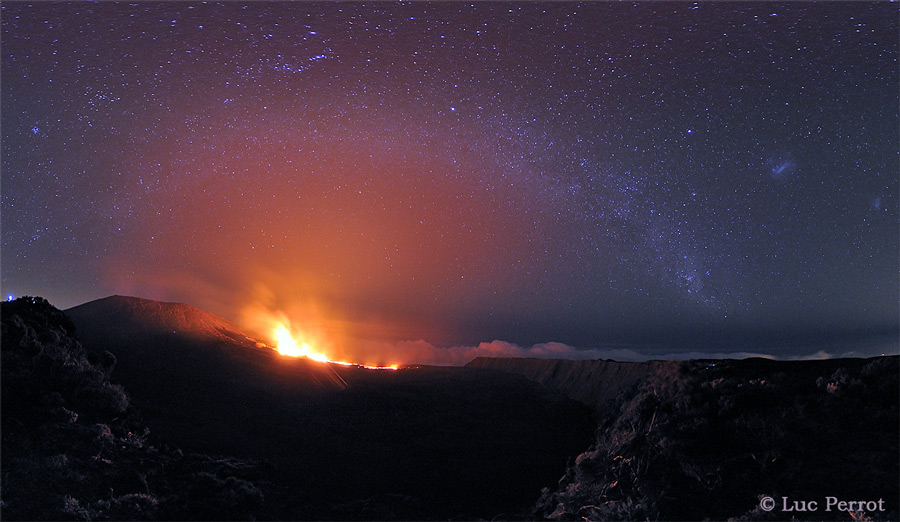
pixel 286 345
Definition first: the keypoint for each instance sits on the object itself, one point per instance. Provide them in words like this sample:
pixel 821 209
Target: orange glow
pixel 287 345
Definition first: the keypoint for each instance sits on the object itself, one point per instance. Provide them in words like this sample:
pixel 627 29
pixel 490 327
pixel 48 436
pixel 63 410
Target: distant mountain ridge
pixel 149 316
pixel 337 442
pixel 595 383
pixel 156 338
pixel 116 321
pixel 672 440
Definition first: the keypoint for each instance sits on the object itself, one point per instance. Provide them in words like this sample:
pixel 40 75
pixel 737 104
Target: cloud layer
pixel 425 353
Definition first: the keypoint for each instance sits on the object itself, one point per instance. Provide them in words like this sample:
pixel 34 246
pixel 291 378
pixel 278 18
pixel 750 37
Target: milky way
pixel 672 176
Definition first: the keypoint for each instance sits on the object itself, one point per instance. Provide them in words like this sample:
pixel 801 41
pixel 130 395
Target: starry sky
pixel 656 177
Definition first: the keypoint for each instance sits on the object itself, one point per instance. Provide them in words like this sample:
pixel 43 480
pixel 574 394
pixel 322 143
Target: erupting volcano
pixel 662 235
pixel 286 345
pixel 306 334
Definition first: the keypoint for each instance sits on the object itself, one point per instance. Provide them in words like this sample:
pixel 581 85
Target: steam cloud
pixel 259 300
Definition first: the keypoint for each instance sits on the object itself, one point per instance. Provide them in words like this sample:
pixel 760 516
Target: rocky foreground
pixel 167 413
pixel 112 414
pixel 711 439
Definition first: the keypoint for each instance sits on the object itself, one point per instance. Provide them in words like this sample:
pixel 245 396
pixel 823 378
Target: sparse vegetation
pixel 698 440
pixel 694 440
pixel 74 449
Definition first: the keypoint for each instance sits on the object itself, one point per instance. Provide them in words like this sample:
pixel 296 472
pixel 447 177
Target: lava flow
pixel 286 345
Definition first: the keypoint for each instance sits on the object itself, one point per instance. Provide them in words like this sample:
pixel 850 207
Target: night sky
pixel 653 178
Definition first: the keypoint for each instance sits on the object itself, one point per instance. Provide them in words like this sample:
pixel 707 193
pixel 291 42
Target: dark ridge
pixel 153 338
pixel 595 383
pixel 75 448
pixel 130 315
pixel 709 439
pixel 419 443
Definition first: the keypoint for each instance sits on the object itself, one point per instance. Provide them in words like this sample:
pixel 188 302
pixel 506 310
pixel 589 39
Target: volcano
pixel 117 315
pixel 341 441
pixel 153 338
pixel 187 417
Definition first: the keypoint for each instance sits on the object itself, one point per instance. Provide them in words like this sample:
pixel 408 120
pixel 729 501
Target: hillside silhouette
pixel 344 442
pixel 125 408
pixel 596 383
pixel 75 448
pixel 134 315
pixel 192 347
pixel 706 439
